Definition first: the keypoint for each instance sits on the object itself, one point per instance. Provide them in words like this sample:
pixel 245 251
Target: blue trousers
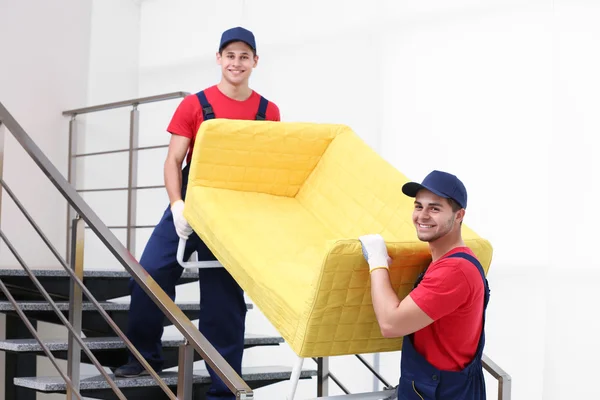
pixel 222 305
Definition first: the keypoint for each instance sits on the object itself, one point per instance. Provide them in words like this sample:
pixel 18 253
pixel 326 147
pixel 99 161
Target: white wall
pixel 60 56
pixel 43 71
pixel 571 342
pixel 114 61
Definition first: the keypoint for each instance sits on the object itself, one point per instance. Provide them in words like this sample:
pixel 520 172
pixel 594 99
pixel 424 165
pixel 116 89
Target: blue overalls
pixel 419 380
pixel 222 305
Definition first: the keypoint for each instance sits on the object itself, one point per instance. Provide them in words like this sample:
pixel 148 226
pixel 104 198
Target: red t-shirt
pixel 188 116
pixel 452 294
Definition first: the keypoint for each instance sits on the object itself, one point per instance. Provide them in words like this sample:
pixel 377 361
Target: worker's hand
pixel 184 230
pixel 375 251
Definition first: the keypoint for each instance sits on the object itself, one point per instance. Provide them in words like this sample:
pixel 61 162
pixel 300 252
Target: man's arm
pixel 178 147
pixel 395 318
pixel 177 150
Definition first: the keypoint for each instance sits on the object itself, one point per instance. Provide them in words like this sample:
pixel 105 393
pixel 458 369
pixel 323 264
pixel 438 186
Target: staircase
pixel 100 338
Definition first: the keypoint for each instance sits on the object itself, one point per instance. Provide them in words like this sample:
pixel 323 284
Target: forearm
pixel 385 300
pixel 172 176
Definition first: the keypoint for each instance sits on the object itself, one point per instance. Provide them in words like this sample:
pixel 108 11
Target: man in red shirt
pixel 442 320
pixel 223 308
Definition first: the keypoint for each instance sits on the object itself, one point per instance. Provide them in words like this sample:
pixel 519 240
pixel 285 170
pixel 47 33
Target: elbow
pixel 389 331
pixel 389 327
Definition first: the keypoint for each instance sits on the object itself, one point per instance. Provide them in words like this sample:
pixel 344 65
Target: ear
pixel 255 61
pixel 460 215
pixel 218 55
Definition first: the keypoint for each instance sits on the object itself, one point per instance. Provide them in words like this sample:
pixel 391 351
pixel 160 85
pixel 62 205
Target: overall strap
pixel 474 261
pixel 261 115
pixel 207 111
pixel 486 294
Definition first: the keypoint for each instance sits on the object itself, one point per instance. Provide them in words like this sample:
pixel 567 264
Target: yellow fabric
pixel 282 204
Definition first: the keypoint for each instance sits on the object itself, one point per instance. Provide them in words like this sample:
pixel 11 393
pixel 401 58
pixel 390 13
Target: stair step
pixel 113 343
pixel 251 375
pixel 103 284
pixel 93 324
pixel 92 273
pixel 111 352
pixel 86 306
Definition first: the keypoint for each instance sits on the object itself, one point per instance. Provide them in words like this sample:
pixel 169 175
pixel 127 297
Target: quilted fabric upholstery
pixel 282 204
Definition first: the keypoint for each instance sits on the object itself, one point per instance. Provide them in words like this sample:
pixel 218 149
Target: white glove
pixel 375 251
pixel 184 230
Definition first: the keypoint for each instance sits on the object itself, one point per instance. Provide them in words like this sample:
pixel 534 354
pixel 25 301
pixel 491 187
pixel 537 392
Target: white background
pixel 504 93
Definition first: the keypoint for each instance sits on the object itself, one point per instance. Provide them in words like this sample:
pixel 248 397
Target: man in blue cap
pixel 223 308
pixel 442 320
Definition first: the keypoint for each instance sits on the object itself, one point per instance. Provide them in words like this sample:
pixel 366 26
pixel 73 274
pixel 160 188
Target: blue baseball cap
pixel 442 184
pixel 237 34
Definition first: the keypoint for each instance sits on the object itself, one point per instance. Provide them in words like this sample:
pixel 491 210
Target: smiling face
pixel 237 61
pixel 435 218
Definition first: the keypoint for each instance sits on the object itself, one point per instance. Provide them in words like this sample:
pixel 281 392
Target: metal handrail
pixel 118 189
pixel 504 382
pixel 504 379
pixel 105 152
pixel 31 329
pixel 80 284
pixel 194 337
pixel 133 149
pixel 375 373
pixel 62 318
pixel 329 375
pixel 125 103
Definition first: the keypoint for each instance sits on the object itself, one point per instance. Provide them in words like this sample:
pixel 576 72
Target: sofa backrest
pixel 356 190
pixel 258 156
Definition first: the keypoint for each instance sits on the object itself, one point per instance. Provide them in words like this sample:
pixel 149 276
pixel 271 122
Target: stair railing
pixel 388 392
pixel 194 340
pixel 132 150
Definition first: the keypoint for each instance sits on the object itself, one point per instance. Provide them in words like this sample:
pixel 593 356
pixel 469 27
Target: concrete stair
pixel 105 285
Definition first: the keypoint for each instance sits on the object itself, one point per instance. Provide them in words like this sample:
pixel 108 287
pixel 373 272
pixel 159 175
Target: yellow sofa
pixel 282 205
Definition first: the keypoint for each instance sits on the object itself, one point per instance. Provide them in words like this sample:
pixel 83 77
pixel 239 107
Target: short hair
pixel 455 206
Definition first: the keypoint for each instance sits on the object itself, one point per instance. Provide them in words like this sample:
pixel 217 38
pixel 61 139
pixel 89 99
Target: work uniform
pixel 222 305
pixel 420 380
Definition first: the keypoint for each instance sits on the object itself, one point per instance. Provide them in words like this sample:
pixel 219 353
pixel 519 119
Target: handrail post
pixel 322 376
pixel 72 177
pixel 504 379
pixel 132 178
pixel 75 305
pixel 376 358
pixel 185 374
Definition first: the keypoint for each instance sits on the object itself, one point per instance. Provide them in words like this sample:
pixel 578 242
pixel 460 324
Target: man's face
pixel 237 61
pixel 433 216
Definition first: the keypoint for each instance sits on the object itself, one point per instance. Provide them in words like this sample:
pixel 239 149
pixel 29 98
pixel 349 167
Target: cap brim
pixel 412 188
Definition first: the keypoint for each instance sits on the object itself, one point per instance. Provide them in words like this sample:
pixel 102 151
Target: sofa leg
pixel 295 377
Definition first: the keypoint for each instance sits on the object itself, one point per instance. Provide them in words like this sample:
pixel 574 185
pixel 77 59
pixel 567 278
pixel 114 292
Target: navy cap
pixel 441 183
pixel 237 34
